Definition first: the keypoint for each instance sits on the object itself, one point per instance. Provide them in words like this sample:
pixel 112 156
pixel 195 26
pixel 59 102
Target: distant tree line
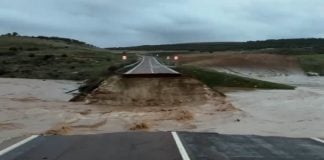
pixel 67 40
pixel 309 45
pixel 13 34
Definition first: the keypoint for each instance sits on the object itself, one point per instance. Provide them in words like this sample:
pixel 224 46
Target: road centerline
pixel 171 70
pixel 151 66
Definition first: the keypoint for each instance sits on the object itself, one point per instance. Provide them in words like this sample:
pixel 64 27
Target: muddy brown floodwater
pixel 186 105
pixel 157 104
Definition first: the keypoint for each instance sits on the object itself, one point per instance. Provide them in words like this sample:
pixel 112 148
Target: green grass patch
pixel 218 79
pixel 312 63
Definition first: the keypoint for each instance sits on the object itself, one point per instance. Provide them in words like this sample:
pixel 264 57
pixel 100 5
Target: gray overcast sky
pixel 108 23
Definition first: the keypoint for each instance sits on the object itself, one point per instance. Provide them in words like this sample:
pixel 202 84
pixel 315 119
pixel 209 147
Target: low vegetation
pixel 218 79
pixel 54 58
pixel 312 63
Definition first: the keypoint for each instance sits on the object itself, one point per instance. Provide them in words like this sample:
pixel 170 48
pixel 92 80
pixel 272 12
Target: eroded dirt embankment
pixel 118 91
pixel 261 64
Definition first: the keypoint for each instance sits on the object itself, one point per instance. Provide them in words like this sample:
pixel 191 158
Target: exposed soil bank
pixel 246 64
pixel 175 91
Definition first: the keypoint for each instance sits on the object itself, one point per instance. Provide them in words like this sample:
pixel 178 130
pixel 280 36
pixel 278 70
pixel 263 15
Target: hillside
pixel 52 58
pixel 281 46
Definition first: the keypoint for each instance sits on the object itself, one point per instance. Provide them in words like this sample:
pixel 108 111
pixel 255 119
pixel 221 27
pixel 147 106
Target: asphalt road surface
pixel 164 146
pixel 149 65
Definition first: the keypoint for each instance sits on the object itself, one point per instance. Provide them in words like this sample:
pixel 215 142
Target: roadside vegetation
pixel 218 79
pixel 55 58
pixel 312 63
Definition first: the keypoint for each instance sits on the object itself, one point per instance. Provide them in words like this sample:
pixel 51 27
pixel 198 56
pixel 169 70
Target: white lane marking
pixel 317 139
pixel 151 66
pixel 133 64
pixel 20 143
pixel 130 71
pixel 181 148
pixel 171 70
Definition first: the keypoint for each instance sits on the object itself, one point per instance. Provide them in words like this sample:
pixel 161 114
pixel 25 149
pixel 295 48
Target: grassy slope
pixel 312 63
pixel 26 57
pixel 216 79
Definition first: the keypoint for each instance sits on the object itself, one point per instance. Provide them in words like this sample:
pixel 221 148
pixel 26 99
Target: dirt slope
pixel 246 63
pixel 117 91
